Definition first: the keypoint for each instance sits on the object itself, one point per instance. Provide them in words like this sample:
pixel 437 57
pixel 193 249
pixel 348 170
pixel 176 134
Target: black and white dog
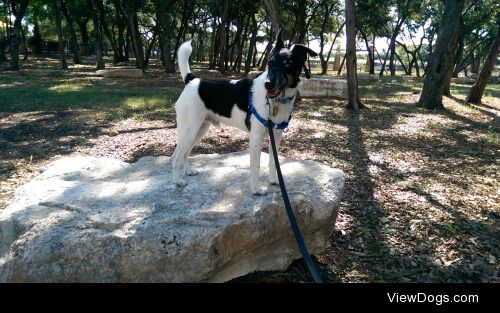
pixel 246 104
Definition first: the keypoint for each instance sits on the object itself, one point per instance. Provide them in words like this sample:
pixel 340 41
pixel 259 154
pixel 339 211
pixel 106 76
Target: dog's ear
pixel 300 52
pixel 299 56
pixel 279 42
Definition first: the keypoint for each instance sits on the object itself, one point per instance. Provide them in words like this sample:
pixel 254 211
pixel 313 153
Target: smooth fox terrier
pixel 247 104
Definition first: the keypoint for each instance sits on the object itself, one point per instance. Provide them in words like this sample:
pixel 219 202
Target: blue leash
pixel 291 217
pixel 288 207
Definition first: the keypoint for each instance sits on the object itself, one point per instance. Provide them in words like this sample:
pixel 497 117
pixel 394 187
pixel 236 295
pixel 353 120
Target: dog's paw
pixel 192 172
pixel 273 180
pixel 181 183
pixel 259 192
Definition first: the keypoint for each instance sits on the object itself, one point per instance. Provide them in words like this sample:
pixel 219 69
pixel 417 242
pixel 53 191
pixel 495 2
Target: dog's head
pixel 285 66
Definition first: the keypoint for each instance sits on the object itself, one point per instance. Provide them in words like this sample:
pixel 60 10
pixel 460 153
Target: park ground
pixel 421 200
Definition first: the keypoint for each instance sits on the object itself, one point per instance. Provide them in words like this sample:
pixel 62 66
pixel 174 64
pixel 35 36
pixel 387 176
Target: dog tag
pixel 275 110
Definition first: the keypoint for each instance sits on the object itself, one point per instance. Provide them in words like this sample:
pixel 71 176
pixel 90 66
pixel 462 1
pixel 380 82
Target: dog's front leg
pixel 256 138
pixel 273 176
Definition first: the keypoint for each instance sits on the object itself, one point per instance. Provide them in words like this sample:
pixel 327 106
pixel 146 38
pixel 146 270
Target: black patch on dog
pixel 189 77
pixel 220 95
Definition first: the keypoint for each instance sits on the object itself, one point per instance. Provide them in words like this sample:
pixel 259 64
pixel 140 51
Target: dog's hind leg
pixel 185 140
pixel 273 176
pixel 201 133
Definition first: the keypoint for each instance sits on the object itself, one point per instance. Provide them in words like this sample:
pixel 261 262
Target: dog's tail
pixel 183 54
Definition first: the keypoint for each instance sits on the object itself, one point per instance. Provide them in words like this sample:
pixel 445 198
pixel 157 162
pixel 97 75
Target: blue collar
pixel 266 123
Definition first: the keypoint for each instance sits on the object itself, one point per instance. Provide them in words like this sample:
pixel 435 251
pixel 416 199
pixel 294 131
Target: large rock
pixel 204 73
pixel 40 72
pixel 366 76
pixel 87 219
pixel 463 80
pixel 121 73
pixel 323 87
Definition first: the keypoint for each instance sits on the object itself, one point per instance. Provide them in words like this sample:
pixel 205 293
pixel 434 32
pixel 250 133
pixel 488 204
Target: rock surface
pixel 87 219
pixel 121 73
pixel 204 73
pixel 323 87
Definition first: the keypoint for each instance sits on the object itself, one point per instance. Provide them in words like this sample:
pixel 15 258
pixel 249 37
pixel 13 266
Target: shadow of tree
pixel 36 136
pixel 381 250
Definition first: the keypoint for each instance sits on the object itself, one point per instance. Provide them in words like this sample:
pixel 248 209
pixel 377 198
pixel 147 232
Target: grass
pixel 116 100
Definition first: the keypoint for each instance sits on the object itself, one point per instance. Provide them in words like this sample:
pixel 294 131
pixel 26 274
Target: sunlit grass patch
pixel 115 101
pixel 492 138
pixel 69 87
pixel 143 102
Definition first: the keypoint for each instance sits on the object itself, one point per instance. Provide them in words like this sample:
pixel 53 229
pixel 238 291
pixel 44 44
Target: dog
pixel 246 104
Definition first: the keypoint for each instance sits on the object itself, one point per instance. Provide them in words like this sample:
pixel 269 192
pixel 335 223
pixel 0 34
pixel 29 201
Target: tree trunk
pixel 371 53
pixel 476 62
pixel 133 26
pixel 274 14
pixel 3 45
pixel 57 19
pixel 98 36
pixel 302 17
pixel 460 54
pixel 253 40
pixel 240 42
pixel 23 39
pixel 476 92
pixel 352 79
pixel 441 58
pixel 324 63
pixel 121 43
pixel 149 47
pixel 417 67
pixel 392 48
pixel 186 13
pixel 212 49
pixel 82 25
pixel 405 69
pixel 121 39
pixel 226 49
pixel 325 70
pixel 341 65
pixel 16 33
pixel 454 48
pixel 201 47
pixel 162 16
pixel 74 38
pixel 117 56
pixel 265 55
pixel 222 37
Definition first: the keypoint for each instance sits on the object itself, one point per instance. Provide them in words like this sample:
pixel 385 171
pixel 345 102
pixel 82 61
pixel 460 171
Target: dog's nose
pixel 268 84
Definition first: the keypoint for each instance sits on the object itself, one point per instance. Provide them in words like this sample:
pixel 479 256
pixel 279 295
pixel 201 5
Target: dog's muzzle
pixel 272 91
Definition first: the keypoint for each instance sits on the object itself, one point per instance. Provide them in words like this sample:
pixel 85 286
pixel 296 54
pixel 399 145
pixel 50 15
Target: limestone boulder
pixel 121 73
pixel 205 73
pixel 366 76
pixel 87 219
pixel 323 87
